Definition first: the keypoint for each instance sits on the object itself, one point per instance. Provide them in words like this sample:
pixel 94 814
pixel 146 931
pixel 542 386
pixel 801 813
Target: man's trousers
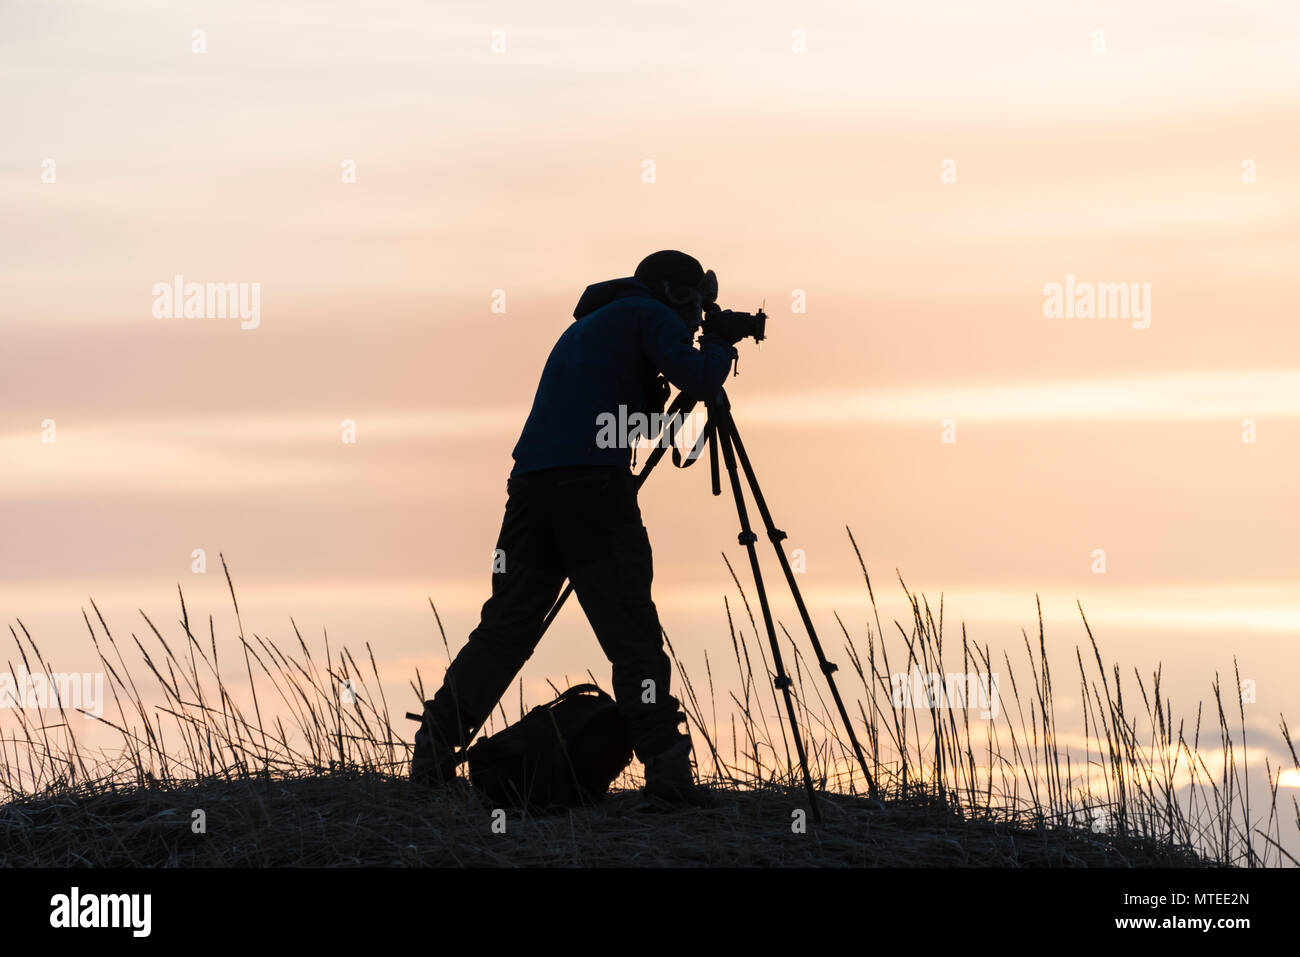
pixel 583 524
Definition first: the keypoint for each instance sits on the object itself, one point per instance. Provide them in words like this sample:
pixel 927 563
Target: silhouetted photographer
pixel 572 513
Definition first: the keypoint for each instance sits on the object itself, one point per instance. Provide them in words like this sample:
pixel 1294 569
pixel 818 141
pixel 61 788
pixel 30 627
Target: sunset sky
pixel 799 151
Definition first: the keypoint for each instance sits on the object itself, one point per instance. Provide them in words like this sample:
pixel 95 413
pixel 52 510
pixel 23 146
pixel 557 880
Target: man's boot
pixel 669 779
pixel 433 763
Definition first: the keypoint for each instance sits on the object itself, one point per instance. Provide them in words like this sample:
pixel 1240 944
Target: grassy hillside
pixel 368 819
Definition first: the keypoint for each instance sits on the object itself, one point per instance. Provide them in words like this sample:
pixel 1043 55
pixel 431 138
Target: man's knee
pixel 513 616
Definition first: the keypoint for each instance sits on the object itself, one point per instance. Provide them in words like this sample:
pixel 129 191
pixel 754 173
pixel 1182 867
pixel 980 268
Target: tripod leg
pixel 748 538
pixel 776 536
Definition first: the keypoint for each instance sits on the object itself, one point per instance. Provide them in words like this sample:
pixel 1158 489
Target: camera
pixel 734 326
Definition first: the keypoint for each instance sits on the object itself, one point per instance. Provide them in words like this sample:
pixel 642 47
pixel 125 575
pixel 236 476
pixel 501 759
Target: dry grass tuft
pixel 309 770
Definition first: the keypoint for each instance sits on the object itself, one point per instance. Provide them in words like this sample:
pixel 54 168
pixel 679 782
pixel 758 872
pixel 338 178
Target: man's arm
pixel 697 372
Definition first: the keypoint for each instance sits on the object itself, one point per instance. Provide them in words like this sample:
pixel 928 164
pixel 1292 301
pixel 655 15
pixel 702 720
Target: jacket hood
pixel 603 293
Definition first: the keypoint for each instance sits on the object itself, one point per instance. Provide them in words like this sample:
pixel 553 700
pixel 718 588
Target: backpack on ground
pixel 561 754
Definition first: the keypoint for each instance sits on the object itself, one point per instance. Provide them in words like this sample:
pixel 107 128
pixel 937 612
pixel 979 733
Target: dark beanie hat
pixel 671 265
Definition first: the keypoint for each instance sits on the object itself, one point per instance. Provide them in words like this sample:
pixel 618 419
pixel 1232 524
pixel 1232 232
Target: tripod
pixel 720 432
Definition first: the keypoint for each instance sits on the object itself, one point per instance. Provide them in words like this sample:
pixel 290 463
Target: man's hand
pixel 657 395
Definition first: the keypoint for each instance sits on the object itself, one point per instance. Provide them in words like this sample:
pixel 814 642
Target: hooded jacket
pixel 604 365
